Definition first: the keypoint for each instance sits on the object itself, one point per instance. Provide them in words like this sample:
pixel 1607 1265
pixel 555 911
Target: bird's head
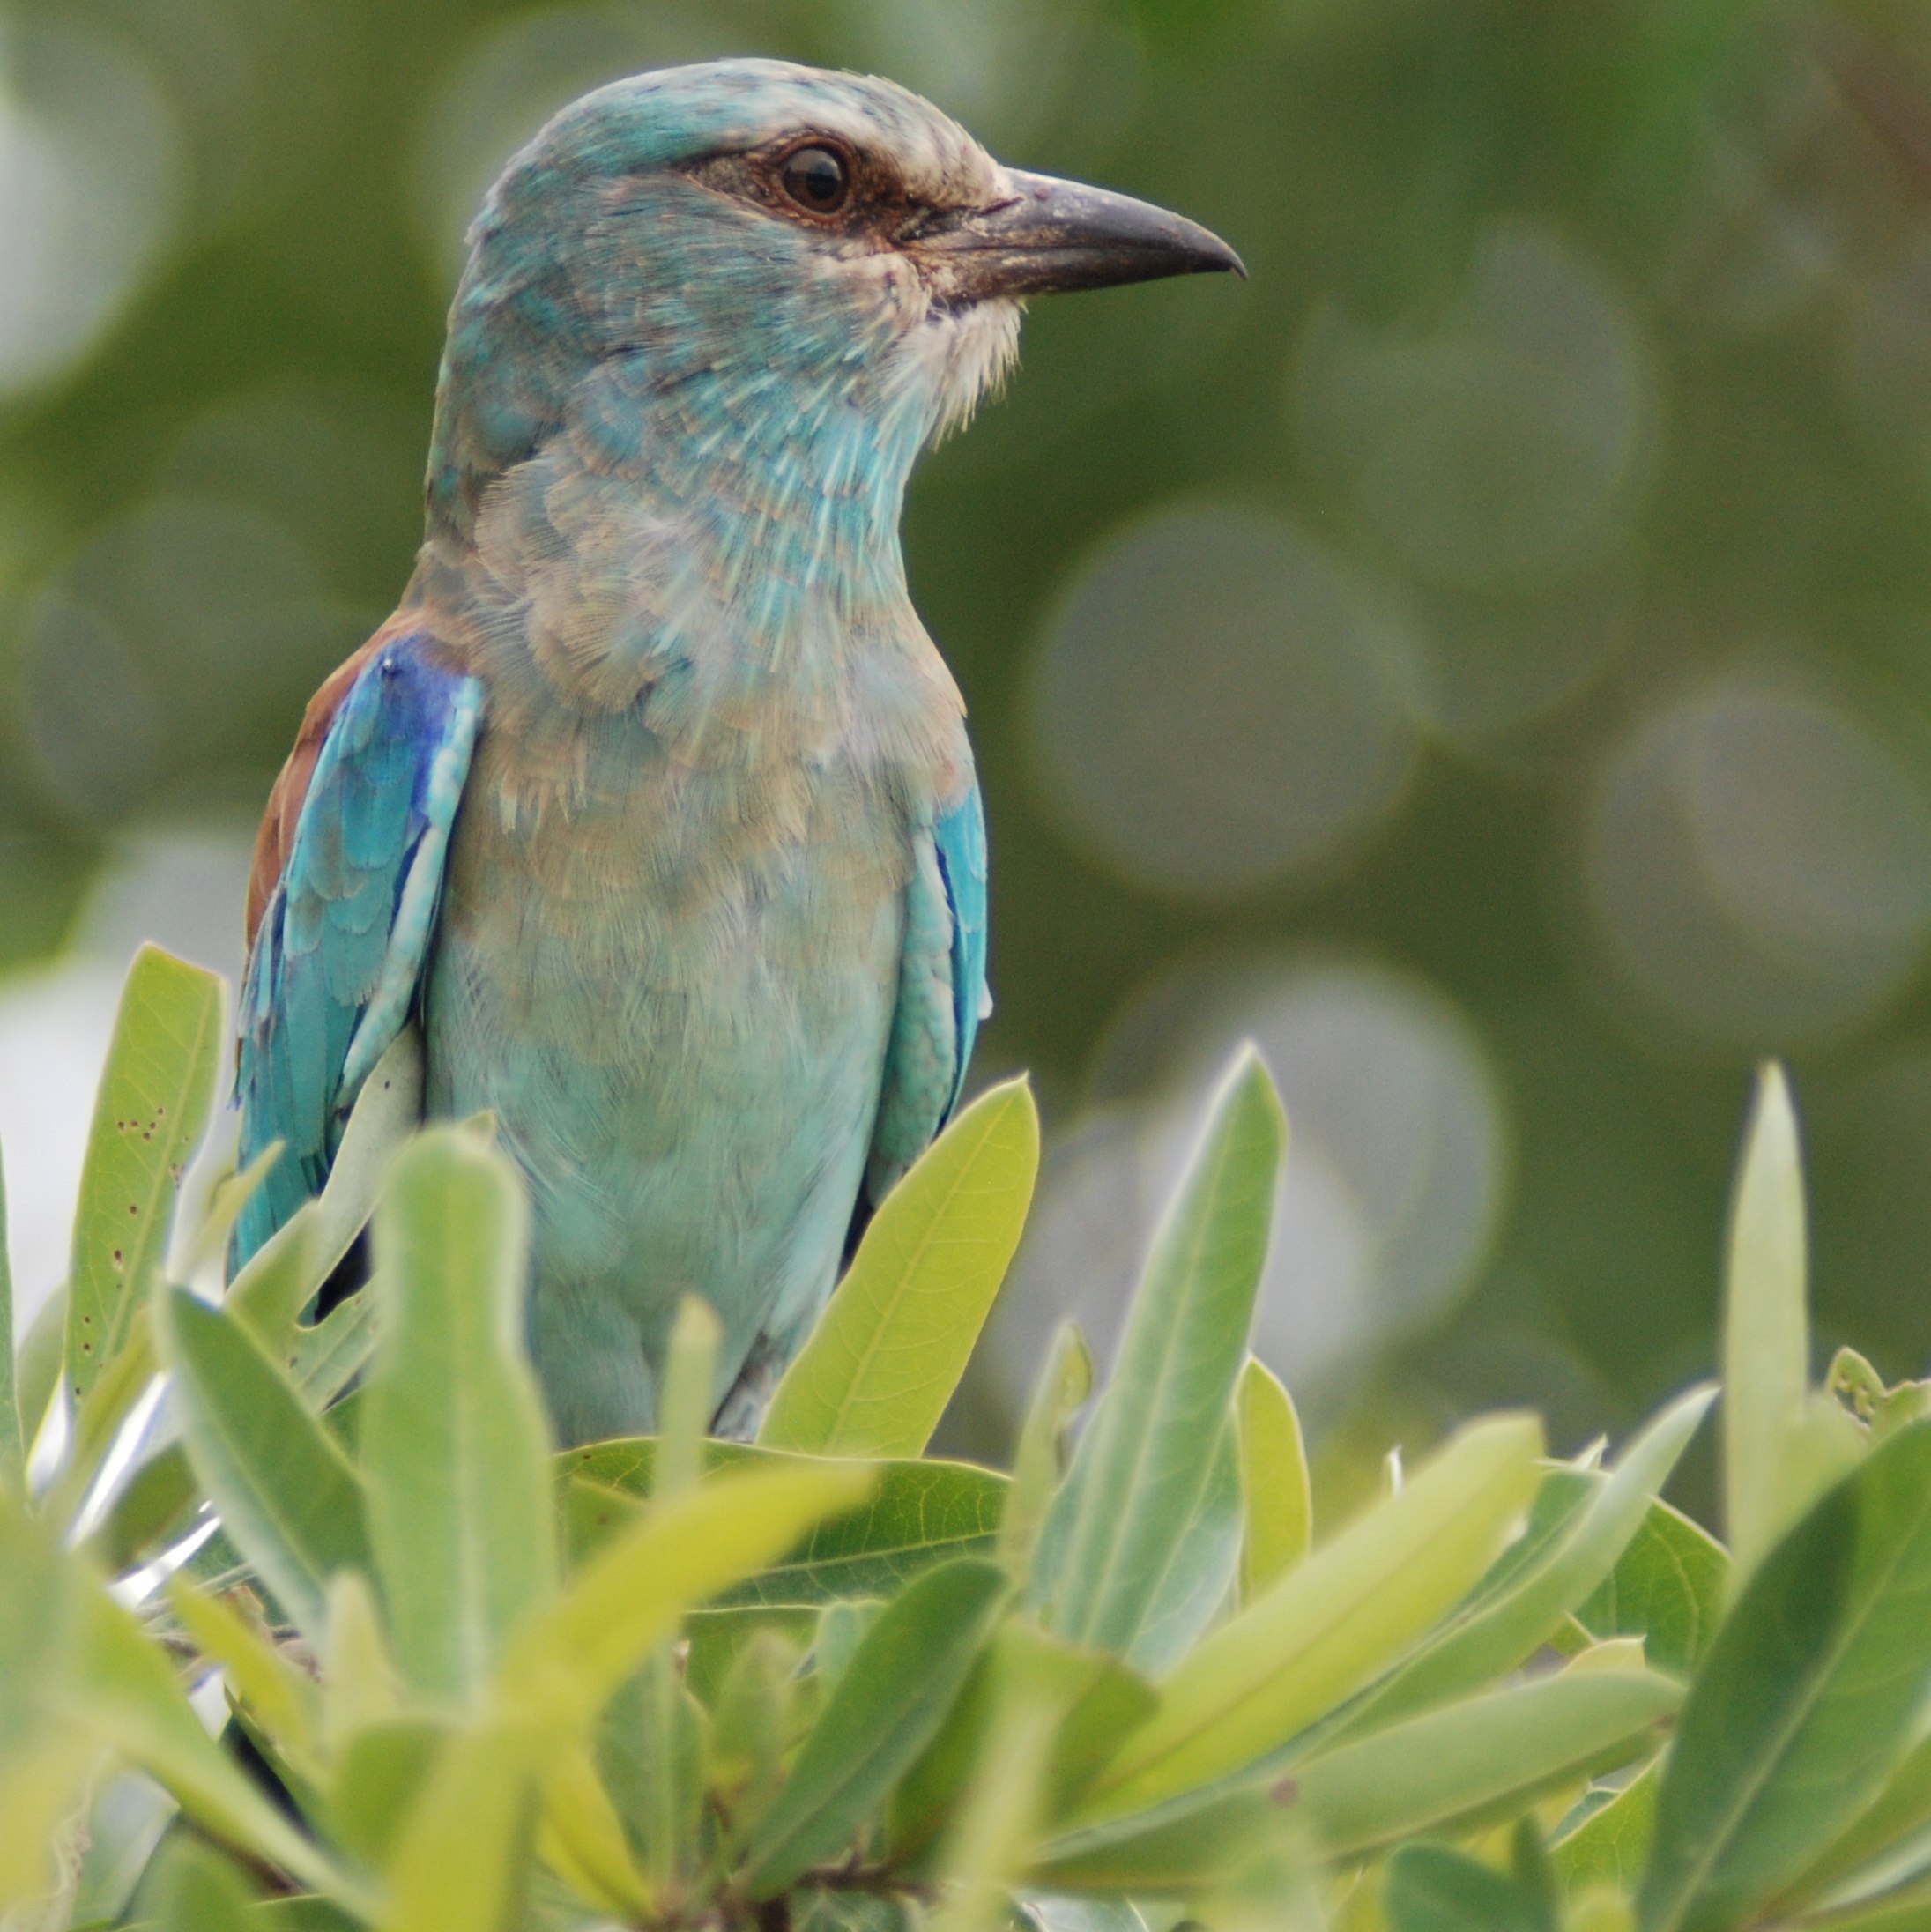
pixel 752 264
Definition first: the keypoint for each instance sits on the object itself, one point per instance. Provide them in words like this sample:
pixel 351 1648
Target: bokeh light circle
pixel 1395 1181
pixel 1502 442
pixel 1217 703
pixel 89 189
pixel 1758 863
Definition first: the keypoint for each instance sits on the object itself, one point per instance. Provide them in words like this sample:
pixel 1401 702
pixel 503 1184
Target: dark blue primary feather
pixel 338 955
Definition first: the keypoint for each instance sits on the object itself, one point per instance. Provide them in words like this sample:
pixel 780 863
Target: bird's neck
pixel 719 534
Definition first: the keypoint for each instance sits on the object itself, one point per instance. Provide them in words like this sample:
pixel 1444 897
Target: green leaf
pixel 1325 1629
pixel 919 1514
pixel 1807 1703
pixel 460 1858
pixel 382 1769
pixel 1766 1330
pixel 280 1697
pixel 1431 1888
pixel 885 1710
pixel 651 1755
pixel 155 1096
pixel 13 1425
pixel 285 1491
pixel 1611 1845
pixel 1668 1587
pixel 325 1359
pixel 566 1663
pixel 751 1725
pixel 888 1352
pixel 1460 1762
pixel 995 1820
pixel 197 1889
pixel 1185 1850
pixel 126 1818
pixel 153 1508
pixel 1065 1387
pixel 37 1378
pixel 687 1396
pixel 1909 1910
pixel 1280 1505
pixel 1889 1843
pixel 1496 1632
pixel 281 1278
pixel 454 1446
pixel 1200 1576
pixel 1149 1453
pixel 122 1689
pixel 97 1426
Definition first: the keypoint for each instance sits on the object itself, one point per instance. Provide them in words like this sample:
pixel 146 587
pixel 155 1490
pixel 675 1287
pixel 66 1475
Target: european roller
pixel 650 812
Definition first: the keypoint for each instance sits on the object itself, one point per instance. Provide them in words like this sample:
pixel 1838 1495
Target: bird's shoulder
pixel 275 836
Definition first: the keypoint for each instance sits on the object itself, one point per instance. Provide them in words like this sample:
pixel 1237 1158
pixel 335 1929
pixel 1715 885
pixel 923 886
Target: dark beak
pixel 1051 235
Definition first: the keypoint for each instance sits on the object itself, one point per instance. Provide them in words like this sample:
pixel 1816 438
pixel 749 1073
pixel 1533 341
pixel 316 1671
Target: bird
pixel 650 812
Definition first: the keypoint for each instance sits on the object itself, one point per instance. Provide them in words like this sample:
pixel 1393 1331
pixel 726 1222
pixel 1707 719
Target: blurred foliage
pixel 1515 600
pixel 827 1680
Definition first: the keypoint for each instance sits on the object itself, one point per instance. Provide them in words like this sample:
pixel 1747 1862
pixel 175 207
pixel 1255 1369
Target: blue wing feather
pixel 959 837
pixel 338 954
pixel 941 994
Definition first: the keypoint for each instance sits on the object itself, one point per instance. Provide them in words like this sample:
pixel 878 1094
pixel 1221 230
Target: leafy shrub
pixel 825 1681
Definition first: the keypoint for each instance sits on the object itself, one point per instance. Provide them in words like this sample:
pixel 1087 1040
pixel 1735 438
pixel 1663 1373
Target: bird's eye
pixel 818 179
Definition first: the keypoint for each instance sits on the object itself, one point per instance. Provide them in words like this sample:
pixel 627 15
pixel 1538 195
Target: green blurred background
pixel 1487 657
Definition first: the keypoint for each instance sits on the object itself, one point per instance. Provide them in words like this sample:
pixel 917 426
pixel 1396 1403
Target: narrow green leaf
pixel 1326 1629
pixel 97 1426
pixel 651 1753
pixel 1280 1505
pixel 454 1446
pixel 888 1352
pixel 995 1822
pixel 1150 1450
pixel 37 1377
pixel 460 1858
pixel 1492 1635
pixel 1202 1570
pixel 883 1713
pixel 152 1509
pixel 1185 1850
pixel 919 1514
pixel 566 1663
pixel 1889 1844
pixel 1808 1701
pixel 282 1698
pixel 325 1359
pixel 1907 1910
pixel 281 1278
pixel 155 1096
pixel 751 1727
pixel 1431 1888
pixel 1668 1587
pixel 122 1689
pixel 689 1396
pixel 1611 1845
pixel 1766 1330
pixel 1460 1762
pixel 1064 1385
pixel 13 1425
pixel 285 1491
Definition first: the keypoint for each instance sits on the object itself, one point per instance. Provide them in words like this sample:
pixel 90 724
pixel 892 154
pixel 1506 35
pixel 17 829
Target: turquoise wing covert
pixel 941 994
pixel 336 961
